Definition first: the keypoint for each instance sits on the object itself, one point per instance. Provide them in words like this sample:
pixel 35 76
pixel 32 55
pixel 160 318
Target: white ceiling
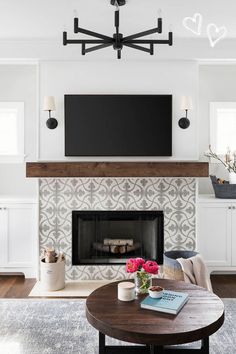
pixel 45 19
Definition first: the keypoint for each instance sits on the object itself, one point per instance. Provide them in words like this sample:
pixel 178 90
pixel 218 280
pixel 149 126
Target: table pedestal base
pixel 149 349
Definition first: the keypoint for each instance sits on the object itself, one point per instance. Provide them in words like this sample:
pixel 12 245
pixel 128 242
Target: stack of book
pixel 171 302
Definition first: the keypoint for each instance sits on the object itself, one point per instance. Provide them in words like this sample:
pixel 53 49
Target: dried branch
pixel 229 165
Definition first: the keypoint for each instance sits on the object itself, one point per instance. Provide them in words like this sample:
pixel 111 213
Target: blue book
pixel 171 302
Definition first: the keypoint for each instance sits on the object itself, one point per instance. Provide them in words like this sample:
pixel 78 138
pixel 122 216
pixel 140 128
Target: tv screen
pixel 118 125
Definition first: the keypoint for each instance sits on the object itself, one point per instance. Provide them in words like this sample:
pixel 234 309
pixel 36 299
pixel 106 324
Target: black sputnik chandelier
pixel 118 41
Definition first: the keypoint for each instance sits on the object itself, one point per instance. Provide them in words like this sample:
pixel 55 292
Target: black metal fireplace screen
pixel 111 237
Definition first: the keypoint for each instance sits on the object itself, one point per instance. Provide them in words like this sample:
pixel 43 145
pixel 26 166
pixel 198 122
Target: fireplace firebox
pixel 111 237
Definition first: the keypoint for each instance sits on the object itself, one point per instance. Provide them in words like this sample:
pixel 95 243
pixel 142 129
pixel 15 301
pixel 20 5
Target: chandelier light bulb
pixel 75 13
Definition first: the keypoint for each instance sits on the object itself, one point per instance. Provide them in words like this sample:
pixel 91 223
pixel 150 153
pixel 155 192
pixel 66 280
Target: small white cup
pixel 155 294
pixel 126 291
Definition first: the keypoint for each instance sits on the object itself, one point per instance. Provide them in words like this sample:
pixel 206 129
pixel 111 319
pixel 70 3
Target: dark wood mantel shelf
pixel 117 169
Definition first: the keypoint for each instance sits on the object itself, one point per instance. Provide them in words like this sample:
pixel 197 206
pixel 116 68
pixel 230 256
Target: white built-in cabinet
pixel 18 236
pixel 216 232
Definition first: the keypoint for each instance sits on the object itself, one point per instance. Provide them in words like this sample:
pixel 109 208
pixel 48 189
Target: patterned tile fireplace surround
pixel 58 197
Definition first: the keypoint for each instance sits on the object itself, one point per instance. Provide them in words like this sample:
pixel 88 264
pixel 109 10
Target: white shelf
pixel 210 198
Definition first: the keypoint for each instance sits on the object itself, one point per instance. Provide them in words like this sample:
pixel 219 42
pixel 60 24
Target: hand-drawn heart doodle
pixel 193 24
pixel 215 34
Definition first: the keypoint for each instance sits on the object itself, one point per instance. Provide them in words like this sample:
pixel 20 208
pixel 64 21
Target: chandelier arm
pixel 117 19
pixel 141 34
pixel 86 41
pixel 170 34
pixel 91 33
pixel 119 54
pixel 83 48
pixel 151 49
pixel 64 41
pixel 97 47
pixel 151 41
pixel 159 24
pixel 117 24
pixel 138 47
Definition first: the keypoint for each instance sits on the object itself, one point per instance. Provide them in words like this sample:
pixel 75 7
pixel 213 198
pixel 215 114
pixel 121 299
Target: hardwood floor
pixel 224 285
pixel 12 286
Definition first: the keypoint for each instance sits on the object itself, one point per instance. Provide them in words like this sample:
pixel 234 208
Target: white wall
pixel 216 83
pixel 18 83
pixel 143 77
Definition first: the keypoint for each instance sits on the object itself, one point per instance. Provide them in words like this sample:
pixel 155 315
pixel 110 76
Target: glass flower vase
pixel 143 281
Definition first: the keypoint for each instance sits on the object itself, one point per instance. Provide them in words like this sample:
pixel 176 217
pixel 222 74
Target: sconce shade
pixel 186 103
pixel 49 103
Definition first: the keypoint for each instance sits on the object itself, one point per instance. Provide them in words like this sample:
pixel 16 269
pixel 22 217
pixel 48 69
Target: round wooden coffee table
pixel 202 316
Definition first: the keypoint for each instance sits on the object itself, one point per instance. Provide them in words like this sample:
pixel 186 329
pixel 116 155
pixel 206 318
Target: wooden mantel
pixel 117 169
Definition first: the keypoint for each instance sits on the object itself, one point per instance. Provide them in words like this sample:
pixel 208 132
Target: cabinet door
pixel 3 235
pixel 20 235
pixel 233 225
pixel 214 233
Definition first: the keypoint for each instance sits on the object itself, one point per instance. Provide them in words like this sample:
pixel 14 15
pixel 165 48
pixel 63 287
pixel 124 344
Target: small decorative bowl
pixel 155 292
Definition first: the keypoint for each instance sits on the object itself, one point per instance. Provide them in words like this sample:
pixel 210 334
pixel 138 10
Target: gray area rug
pixel 60 327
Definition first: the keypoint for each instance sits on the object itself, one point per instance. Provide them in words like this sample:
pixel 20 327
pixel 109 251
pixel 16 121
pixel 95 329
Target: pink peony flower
pixel 131 265
pixel 139 262
pixel 151 267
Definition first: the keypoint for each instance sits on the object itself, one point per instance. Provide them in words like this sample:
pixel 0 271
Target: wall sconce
pixel 186 105
pixel 49 105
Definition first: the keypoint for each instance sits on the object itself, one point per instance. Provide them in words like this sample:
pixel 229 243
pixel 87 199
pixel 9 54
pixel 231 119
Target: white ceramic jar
pixel 126 291
pixel 52 276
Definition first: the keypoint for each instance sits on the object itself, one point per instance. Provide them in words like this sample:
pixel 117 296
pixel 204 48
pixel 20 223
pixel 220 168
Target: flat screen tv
pixel 118 125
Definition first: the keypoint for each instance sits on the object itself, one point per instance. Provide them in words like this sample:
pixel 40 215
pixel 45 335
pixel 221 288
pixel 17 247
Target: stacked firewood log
pixel 50 256
pixel 116 246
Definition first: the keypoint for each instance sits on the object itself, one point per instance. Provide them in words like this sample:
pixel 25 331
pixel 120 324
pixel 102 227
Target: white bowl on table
pixel 156 292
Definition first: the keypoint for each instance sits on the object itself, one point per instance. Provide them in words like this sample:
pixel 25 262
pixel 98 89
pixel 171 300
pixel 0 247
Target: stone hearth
pixel 58 197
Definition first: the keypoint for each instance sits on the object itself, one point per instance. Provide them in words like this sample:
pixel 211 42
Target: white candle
pixel 126 291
